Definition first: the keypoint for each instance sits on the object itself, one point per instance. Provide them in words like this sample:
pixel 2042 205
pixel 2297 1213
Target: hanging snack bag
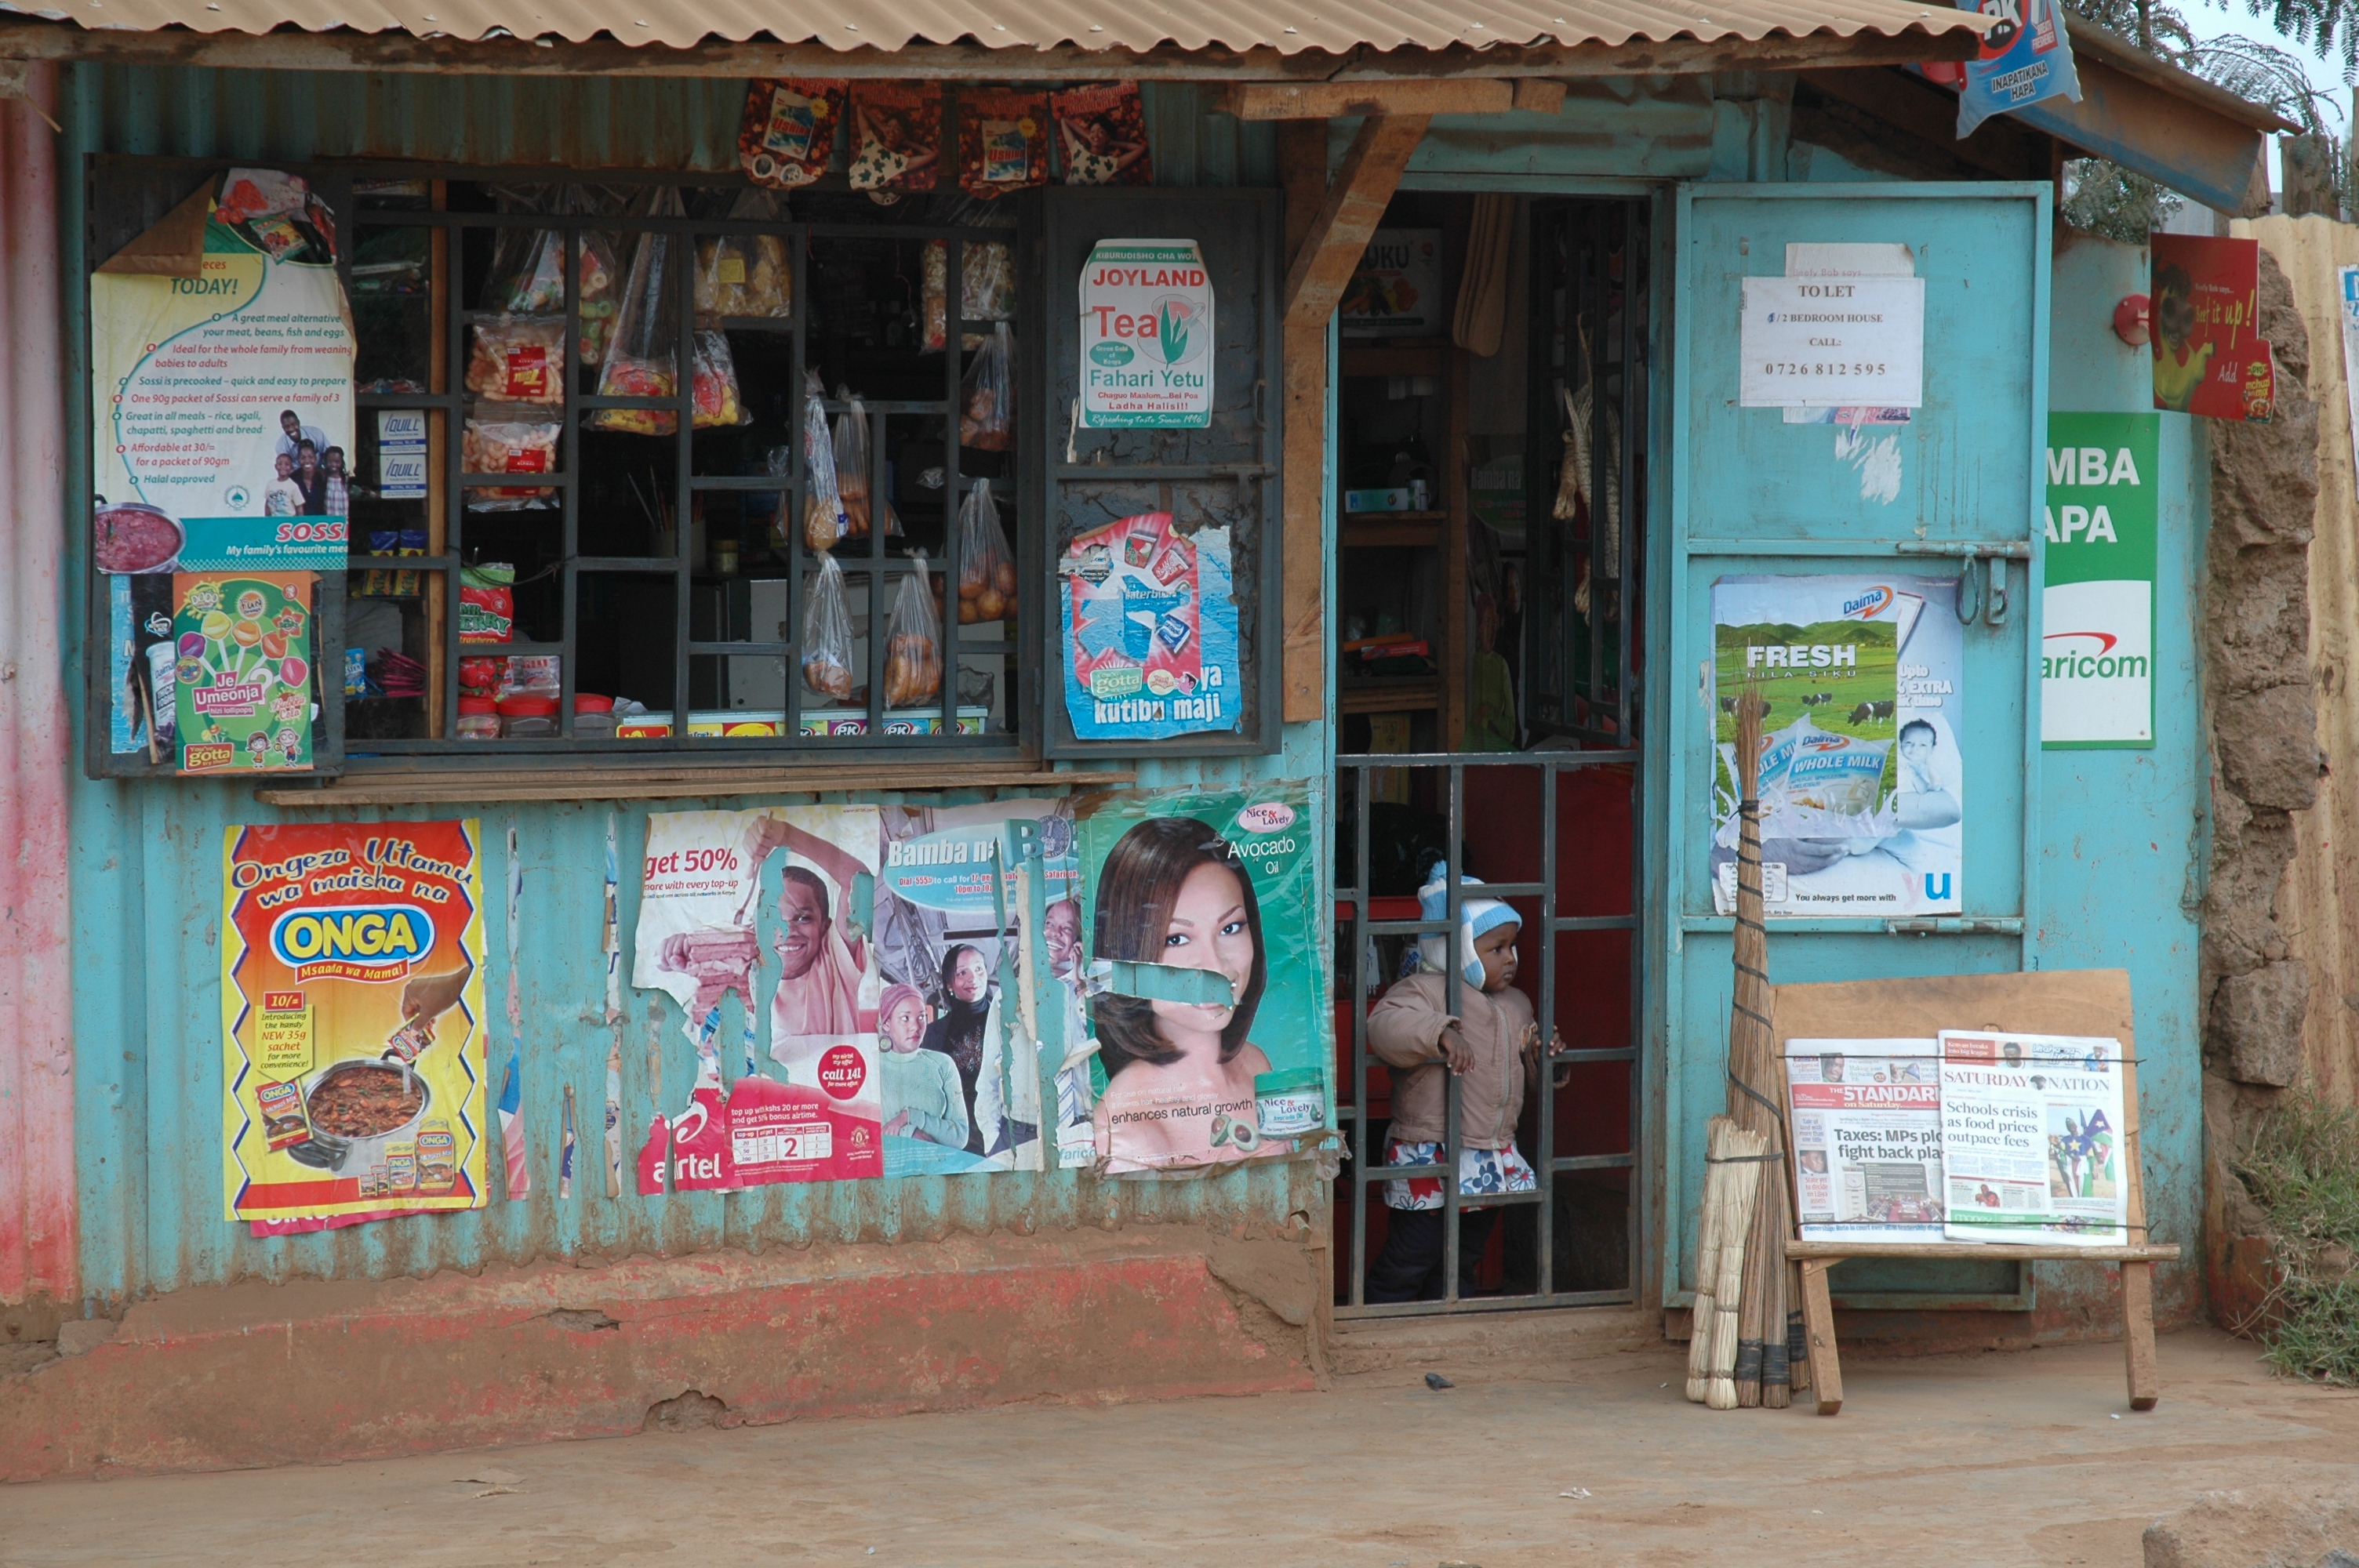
pixel 913 646
pixel 987 401
pixel 596 301
pixel 643 360
pixel 715 386
pixel 501 446
pixel 850 454
pixel 1101 135
pixel 827 634
pixel 787 135
pixel 517 358
pixel 824 523
pixel 986 566
pixel 745 275
pixel 987 291
pixel 896 137
pixel 487 602
pixel 1003 141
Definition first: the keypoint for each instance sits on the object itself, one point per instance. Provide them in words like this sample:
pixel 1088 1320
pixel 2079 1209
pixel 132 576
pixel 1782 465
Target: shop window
pixel 584 513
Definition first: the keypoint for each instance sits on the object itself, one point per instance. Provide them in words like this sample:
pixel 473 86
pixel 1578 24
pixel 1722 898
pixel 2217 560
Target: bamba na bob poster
pixel 353 1048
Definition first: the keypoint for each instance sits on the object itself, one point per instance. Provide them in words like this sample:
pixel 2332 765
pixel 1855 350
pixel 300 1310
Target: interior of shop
pixel 1492 525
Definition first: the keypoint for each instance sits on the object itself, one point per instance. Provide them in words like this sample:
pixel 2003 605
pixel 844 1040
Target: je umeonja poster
pixel 352 1022
pixel 1216 881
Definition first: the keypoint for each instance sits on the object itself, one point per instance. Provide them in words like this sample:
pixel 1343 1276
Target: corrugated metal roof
pixel 1287 26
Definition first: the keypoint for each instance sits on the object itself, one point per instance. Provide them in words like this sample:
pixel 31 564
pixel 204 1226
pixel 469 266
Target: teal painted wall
pixel 147 856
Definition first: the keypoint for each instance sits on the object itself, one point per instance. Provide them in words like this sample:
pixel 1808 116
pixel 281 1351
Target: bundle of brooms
pixel 1746 1348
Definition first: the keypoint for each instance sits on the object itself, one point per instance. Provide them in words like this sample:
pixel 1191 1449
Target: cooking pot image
pixel 356 1108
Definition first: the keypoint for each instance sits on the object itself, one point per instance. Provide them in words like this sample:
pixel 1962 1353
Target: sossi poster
pixel 1231 1062
pixel 2097 636
pixel 352 1021
pixel 1862 784
pixel 222 401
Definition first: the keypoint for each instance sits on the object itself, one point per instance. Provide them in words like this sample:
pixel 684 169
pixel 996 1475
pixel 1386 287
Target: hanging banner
pixel 1146 336
pixel 222 403
pixel 1151 632
pixel 2031 1139
pixel 720 888
pixel 352 1021
pixel 2209 356
pixel 1204 881
pixel 1861 785
pixel 2096 662
pixel 2026 57
pixel 241 673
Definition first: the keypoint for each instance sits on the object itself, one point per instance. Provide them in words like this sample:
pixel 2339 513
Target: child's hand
pixel 1455 1051
pixel 1556 1047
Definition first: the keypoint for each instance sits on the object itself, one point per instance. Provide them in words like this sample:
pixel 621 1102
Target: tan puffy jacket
pixel 1405 1032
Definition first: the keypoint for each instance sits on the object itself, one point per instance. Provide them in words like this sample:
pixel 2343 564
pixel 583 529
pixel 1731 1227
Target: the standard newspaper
pixel 1868 1139
pixel 2031 1139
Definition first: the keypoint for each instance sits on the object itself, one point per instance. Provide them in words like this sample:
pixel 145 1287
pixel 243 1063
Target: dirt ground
pixel 2027 1457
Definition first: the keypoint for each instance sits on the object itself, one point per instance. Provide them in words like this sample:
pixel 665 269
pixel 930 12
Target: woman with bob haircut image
pixel 1179 1075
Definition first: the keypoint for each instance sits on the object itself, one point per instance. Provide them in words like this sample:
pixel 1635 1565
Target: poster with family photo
pixel 967 1037
pixel 1862 781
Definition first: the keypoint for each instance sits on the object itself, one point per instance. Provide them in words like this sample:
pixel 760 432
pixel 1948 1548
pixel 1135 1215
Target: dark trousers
pixel 1409 1268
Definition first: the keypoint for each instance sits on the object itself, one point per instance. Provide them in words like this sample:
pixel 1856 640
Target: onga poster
pixel 1862 783
pixel 1200 1070
pixel 351 1021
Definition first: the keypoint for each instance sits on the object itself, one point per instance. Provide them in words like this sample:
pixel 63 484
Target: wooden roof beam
pixel 1354 204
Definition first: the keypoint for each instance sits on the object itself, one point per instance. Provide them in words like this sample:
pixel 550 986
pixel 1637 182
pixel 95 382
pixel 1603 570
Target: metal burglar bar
pixel 1363 1170
pixel 867 556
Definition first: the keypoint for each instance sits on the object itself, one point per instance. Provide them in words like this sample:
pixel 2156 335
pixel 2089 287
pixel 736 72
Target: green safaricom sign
pixel 2096 661
pixel 1146 336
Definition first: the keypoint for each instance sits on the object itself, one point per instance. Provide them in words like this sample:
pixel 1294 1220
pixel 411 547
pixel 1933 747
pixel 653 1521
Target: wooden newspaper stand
pixel 2055 1001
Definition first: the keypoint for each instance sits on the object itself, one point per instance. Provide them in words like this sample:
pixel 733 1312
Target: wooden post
pixel 1303 170
pixel 2138 1279
pixel 1819 1319
pixel 1457 638
pixel 438 492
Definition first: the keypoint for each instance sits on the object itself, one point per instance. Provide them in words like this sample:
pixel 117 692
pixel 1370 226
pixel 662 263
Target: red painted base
pixel 256 1375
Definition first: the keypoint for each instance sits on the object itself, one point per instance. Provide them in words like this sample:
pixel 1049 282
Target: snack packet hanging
pixel 527 276
pixel 503 446
pixel 827 634
pixel 644 359
pixel 987 400
pixel 913 646
pixel 851 457
pixel 986 292
pixel 787 138
pixel 1101 135
pixel 896 137
pixel 487 602
pixel 715 386
pixel 517 358
pixel 824 523
pixel 986 566
pixel 1003 141
pixel 745 275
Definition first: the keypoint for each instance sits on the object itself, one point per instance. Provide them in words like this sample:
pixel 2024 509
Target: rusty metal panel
pixel 1288 27
pixel 37 1085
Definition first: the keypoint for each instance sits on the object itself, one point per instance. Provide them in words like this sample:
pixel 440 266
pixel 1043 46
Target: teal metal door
pixel 1938 504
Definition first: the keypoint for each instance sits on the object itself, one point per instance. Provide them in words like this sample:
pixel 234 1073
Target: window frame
pixel 1019 736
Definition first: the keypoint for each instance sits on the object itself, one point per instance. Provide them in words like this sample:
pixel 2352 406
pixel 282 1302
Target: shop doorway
pixel 1490 535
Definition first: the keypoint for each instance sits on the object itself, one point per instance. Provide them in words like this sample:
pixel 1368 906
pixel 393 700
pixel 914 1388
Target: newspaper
pixel 2031 1139
pixel 1868 1139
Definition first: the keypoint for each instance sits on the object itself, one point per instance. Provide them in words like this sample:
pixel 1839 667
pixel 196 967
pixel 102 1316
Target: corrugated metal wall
pixel 147 857
pixel 36 1084
pixel 2318 900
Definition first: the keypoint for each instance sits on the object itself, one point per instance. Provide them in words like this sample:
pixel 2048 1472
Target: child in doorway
pixel 1491 1042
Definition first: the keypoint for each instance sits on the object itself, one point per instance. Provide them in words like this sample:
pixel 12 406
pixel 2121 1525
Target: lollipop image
pixel 192 645
pixel 274 645
pixel 293 671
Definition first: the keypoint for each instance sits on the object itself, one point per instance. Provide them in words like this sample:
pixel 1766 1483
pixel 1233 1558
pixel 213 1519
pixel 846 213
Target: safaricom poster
pixel 1146 336
pixel 2096 665
pixel 1861 783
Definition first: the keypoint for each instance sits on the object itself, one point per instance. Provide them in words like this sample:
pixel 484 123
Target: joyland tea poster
pixel 202 386
pixel 1862 778
pixel 352 1021
pixel 1202 880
